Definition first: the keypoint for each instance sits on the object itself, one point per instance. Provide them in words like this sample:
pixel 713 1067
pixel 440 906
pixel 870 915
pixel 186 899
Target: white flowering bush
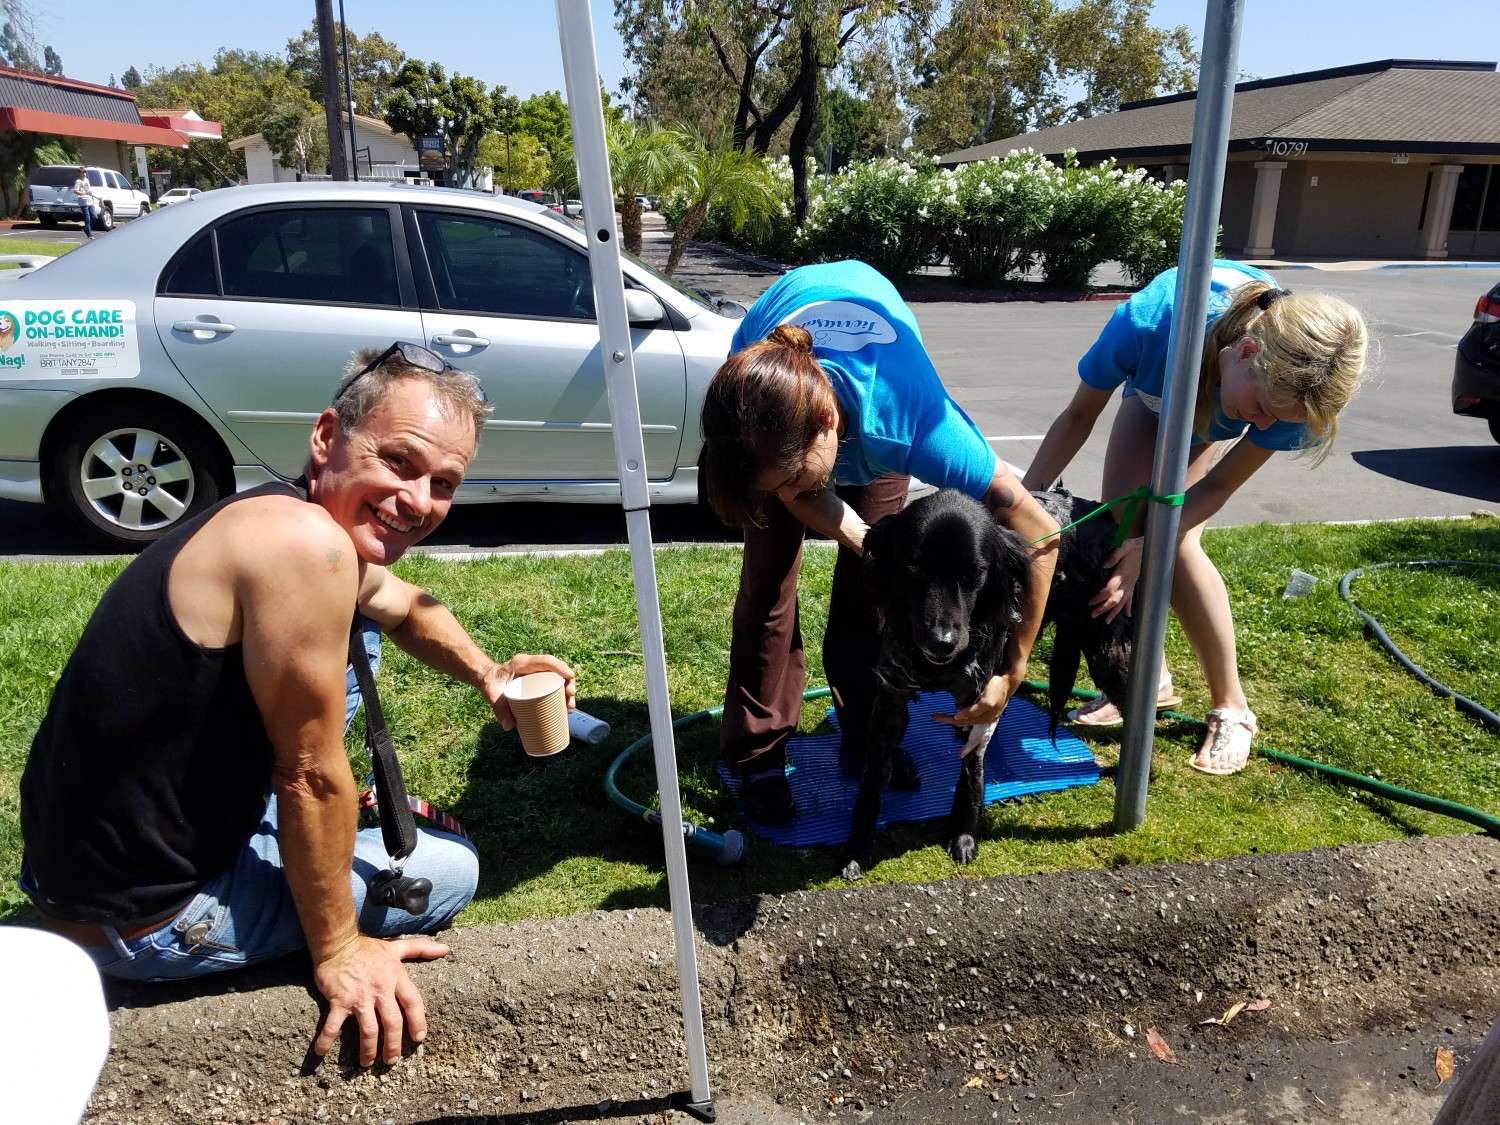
pixel 995 219
pixel 1001 208
pixel 1095 217
pixel 674 204
pixel 889 214
pixel 1157 239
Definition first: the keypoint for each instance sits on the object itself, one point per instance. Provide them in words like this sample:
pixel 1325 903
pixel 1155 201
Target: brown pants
pixel 767 669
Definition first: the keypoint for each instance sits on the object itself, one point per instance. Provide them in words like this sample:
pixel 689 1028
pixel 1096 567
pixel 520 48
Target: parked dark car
pixel 1476 365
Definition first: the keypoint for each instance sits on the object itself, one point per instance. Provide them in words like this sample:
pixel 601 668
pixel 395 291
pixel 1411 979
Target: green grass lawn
pixel 33 246
pixel 551 843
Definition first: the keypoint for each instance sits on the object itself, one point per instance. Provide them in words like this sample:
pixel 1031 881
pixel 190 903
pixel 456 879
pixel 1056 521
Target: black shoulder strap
pixel 397 828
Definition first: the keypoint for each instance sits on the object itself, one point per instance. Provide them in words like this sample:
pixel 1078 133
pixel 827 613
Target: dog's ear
pixel 1008 582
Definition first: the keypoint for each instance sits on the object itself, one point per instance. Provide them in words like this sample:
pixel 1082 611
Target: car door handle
pixel 217 327
pixel 444 340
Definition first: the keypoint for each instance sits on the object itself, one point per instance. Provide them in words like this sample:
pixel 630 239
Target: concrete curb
pixel 547 1016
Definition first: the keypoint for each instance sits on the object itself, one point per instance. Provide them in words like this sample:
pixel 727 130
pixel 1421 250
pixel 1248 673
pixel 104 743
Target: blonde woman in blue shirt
pixel 1277 369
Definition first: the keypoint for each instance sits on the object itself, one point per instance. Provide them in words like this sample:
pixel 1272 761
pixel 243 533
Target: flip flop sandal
pixel 1084 716
pixel 1231 742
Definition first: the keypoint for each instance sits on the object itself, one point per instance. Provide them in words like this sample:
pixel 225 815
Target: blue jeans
pixel 88 221
pixel 249 909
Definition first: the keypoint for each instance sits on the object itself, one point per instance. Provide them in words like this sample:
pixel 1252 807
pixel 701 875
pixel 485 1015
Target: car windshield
pixel 697 296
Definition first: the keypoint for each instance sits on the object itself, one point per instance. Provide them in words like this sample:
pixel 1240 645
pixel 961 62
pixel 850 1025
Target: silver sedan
pixel 148 374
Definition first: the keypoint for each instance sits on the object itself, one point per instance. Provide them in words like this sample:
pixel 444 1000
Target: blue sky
pixel 514 42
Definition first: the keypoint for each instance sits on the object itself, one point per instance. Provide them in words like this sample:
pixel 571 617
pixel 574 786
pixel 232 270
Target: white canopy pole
pixel 581 70
pixel 1195 263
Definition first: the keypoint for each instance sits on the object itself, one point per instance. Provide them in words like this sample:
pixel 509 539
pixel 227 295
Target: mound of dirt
pixel 556 1017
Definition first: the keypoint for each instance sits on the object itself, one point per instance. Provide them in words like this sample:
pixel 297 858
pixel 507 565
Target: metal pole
pixel 348 96
pixel 1212 109
pixel 329 61
pixel 581 71
pixel 507 164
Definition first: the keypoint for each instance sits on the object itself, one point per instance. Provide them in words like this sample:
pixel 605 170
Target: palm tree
pixel 643 160
pixel 720 176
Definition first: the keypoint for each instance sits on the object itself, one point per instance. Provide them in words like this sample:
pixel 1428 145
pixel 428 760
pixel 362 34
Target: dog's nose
pixel 943 642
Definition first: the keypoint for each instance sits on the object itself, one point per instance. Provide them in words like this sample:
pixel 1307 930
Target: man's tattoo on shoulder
pixel 335 556
pixel 1002 498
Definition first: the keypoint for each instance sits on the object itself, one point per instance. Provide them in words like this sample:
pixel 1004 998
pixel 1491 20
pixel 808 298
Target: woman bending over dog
pixel 827 407
pixel 1277 369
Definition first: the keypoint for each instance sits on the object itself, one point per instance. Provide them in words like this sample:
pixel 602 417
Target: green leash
pixel 1132 502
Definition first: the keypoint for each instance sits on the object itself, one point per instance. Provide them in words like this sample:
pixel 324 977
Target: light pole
pixel 506 135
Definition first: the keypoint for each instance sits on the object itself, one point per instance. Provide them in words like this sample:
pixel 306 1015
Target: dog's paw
pixel 852 871
pixel 963 848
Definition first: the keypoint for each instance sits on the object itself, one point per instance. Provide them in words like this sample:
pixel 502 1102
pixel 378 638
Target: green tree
pixel 859 128
pixel 545 117
pixel 374 62
pixel 239 90
pixel 643 159
pixel 297 133
pixel 719 176
pixel 677 82
pixel 459 109
pixel 999 68
pixel 131 79
pixel 19 46
pixel 51 62
pixel 518 160
pixel 22 154
pixel 774 56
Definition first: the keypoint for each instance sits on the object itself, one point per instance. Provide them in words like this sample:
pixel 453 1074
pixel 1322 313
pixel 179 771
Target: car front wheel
pixel 130 474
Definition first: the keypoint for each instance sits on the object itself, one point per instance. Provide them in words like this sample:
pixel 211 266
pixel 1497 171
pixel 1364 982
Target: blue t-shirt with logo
pixel 1132 350
pixel 898 416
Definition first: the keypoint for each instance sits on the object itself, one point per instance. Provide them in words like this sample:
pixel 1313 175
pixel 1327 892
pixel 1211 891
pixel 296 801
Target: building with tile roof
pixel 1393 159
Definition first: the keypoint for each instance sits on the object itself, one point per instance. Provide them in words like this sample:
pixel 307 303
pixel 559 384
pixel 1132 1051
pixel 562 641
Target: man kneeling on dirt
pixel 188 806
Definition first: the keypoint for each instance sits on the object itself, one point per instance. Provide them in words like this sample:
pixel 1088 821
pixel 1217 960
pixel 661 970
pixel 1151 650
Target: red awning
pixel 67 125
pixel 194 127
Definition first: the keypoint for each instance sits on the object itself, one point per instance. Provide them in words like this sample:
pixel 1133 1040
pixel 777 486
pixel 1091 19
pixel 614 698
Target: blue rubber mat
pixel 1021 759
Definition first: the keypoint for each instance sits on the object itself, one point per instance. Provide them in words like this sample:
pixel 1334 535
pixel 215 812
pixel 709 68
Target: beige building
pixel 1394 159
pixel 382 154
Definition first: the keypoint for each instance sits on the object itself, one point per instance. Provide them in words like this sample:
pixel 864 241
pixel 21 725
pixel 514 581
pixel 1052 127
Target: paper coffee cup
pixel 540 705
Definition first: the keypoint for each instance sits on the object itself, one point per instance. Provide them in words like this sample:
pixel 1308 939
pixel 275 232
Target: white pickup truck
pixel 53 200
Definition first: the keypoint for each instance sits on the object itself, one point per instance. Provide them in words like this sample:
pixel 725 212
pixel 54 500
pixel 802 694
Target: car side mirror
pixel 642 308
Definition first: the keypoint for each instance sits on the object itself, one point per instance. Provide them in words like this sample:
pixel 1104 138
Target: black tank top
pixel 152 767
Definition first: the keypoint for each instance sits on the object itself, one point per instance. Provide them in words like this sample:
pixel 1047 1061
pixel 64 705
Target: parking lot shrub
pixel 1095 217
pixel 1002 207
pixel 880 211
pixel 773 235
pixel 1157 237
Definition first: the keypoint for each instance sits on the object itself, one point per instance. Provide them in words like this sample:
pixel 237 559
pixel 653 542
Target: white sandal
pixel 1229 749
pixel 1166 699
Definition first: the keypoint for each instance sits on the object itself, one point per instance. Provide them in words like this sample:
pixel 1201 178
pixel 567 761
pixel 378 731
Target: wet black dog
pixel 1079 575
pixel 949 582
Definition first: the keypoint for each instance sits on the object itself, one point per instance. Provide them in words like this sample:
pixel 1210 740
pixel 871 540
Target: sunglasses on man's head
pixel 413 355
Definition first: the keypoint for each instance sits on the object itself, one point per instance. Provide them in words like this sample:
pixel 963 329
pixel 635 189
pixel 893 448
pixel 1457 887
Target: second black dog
pixel 949 582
